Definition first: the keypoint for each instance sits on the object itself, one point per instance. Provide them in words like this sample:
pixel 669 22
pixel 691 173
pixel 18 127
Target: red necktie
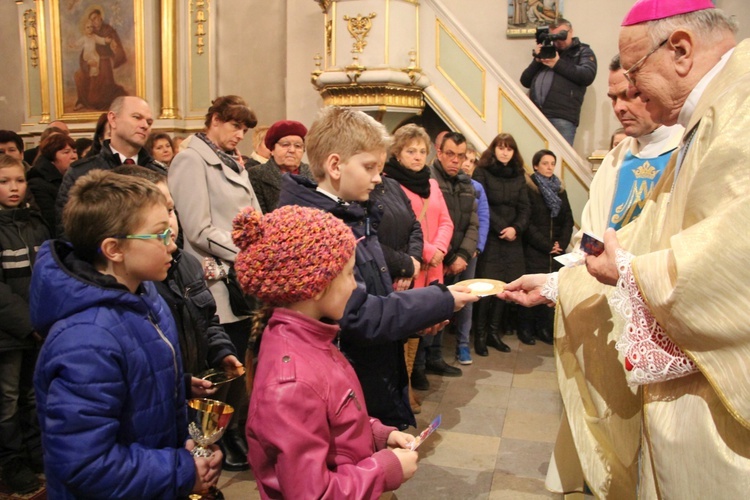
pixel 129 161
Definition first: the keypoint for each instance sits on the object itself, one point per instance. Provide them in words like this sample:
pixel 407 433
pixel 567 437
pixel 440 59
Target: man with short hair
pixel 682 428
pixel 130 121
pixel 461 200
pixel 628 173
pixel 557 85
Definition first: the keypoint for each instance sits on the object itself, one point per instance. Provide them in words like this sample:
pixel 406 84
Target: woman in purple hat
pixel 285 140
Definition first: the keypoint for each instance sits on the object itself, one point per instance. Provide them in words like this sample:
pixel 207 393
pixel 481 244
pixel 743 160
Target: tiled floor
pixel 499 422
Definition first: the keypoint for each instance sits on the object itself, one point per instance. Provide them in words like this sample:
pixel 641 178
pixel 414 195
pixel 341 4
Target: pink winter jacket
pixel 308 432
pixel 437 228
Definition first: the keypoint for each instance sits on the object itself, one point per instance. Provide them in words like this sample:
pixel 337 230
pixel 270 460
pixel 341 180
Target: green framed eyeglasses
pixel 165 237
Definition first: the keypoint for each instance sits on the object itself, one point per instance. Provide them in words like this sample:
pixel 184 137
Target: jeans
pixel 19 427
pixel 566 129
pixel 462 319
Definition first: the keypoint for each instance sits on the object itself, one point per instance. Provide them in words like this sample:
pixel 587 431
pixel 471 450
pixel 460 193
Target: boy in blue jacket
pixel 109 386
pixel 346 150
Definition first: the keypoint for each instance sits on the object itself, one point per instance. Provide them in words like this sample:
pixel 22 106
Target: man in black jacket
pixel 130 120
pixel 460 198
pixel 557 85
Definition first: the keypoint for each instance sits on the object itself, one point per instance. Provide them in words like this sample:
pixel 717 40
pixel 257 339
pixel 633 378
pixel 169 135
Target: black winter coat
pixel 574 71
pixel 22 232
pixel 266 182
pixel 508 199
pixel 544 230
pixel 105 160
pixel 461 199
pixel 203 341
pixel 399 232
pixel 376 320
pixel 44 182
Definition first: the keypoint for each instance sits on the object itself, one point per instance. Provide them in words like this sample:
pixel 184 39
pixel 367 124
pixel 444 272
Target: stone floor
pixel 499 422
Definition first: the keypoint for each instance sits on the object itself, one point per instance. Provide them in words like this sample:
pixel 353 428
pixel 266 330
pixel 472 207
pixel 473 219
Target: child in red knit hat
pixel 308 431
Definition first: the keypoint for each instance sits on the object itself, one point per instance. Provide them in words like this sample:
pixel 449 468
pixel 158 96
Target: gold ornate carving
pixel 324 4
pixel 329 36
pixel 412 70
pixel 318 71
pixel 359 27
pixel 29 26
pixel 380 95
pixel 201 19
pixel 646 171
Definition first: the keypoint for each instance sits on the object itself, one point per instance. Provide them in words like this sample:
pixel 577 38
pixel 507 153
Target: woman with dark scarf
pixel 407 166
pixel 547 235
pixel 209 185
pixel 500 172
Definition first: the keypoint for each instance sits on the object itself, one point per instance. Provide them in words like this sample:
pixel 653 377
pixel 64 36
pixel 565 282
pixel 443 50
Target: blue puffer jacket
pixel 108 383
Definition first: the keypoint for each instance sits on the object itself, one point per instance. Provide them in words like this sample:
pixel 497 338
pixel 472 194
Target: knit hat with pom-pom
pixel 291 254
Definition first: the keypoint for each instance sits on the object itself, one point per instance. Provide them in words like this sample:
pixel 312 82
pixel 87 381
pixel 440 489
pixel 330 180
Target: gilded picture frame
pixel 98 55
pixel 524 16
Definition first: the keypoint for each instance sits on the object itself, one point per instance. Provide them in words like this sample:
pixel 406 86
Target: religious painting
pixel 98 54
pixel 524 16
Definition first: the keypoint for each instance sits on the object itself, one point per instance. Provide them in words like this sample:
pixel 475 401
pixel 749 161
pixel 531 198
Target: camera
pixel 545 39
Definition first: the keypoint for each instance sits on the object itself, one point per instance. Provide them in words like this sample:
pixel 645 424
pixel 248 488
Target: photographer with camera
pixel 558 76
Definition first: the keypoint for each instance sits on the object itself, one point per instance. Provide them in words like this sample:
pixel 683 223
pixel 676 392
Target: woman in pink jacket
pixel 411 145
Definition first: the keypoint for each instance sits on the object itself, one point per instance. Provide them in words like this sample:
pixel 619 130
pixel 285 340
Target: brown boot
pixel 410 354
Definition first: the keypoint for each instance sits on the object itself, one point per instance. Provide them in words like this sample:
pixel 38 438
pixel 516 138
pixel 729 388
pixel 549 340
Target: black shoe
pixel 19 478
pixel 440 367
pixel 419 380
pixel 526 337
pixel 545 336
pixel 480 348
pixel 235 452
pixel 493 340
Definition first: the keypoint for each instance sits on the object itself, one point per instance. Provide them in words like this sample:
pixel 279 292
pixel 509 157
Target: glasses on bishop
pixel 165 237
pixel 630 73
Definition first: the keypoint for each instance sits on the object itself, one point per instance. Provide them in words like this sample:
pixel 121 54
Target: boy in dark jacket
pixel 203 341
pixel 22 231
pixel 346 150
pixel 109 378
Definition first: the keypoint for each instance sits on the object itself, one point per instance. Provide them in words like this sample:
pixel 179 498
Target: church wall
pixel 11 82
pixel 265 54
pixel 252 55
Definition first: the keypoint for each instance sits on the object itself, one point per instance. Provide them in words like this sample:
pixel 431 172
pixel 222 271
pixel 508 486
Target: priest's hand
pixel 603 267
pixel 526 291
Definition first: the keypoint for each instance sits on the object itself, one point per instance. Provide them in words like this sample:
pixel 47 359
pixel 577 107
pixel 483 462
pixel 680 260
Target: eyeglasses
pixel 165 237
pixel 291 145
pixel 630 74
pixel 451 155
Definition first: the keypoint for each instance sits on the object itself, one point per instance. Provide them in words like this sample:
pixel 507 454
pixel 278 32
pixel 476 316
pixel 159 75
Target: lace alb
pixel 549 290
pixel 650 356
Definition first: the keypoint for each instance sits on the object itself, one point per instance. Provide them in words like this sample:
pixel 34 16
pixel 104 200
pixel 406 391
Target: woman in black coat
pixel 501 174
pixel 547 235
pixel 56 153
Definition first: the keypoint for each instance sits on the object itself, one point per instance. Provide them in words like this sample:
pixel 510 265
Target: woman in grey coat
pixel 210 186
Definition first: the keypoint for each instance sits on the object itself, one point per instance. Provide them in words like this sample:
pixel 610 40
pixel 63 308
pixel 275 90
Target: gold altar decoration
pixel 381 95
pixel 201 20
pixel 359 27
pixel 324 4
pixel 29 26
